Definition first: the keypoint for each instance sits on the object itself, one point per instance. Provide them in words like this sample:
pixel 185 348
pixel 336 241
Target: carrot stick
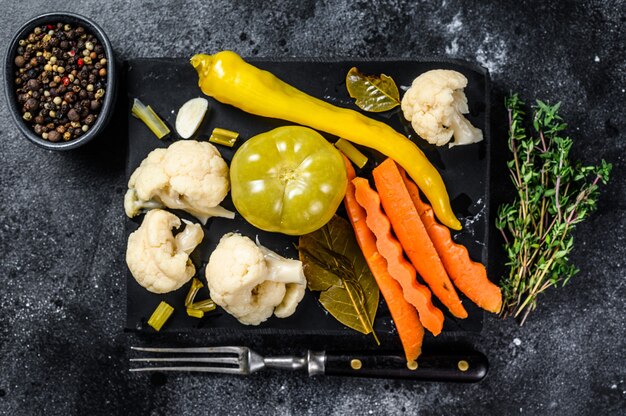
pixel 403 313
pixel 412 234
pixel 401 270
pixel 468 276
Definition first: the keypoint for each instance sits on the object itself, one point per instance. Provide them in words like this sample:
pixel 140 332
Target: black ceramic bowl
pixel 9 80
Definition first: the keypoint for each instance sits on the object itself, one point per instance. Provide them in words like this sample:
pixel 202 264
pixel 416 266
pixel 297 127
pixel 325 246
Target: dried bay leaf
pixel 372 93
pixel 334 265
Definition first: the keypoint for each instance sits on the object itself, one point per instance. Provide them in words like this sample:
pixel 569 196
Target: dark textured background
pixel 62 349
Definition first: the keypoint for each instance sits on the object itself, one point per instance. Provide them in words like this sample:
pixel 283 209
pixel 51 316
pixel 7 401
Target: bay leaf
pixel 372 93
pixel 334 265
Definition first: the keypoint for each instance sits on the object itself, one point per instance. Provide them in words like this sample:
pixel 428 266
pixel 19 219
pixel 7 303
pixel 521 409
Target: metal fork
pixel 469 366
pixel 240 360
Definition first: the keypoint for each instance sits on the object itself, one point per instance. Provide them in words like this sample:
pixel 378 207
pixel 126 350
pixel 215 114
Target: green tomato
pixel 288 180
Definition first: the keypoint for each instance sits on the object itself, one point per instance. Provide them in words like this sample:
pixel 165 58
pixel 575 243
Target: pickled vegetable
pixel 150 119
pixel 351 152
pixel 288 180
pixel 160 315
pixel 224 137
pixel 195 313
pixel 190 116
pixel 196 285
pixel 206 305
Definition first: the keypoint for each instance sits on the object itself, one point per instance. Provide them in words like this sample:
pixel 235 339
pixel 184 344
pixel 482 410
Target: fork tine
pixel 200 350
pixel 223 370
pixel 209 360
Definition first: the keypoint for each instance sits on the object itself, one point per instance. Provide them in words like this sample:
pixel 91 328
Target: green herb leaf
pixel 553 195
pixel 372 93
pixel 334 265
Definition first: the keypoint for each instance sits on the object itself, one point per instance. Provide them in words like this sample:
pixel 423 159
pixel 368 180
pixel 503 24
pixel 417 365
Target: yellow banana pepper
pixel 226 77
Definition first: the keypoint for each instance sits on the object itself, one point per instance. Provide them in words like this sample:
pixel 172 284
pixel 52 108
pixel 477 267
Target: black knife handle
pixel 464 367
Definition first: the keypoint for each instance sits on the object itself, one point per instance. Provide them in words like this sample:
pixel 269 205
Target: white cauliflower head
pixel 157 259
pixel 189 175
pixel 435 105
pixel 252 282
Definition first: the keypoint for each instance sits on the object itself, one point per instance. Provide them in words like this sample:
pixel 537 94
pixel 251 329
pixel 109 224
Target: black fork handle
pixel 465 367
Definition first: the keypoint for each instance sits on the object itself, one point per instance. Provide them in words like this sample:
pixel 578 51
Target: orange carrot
pixel 468 276
pixel 404 315
pixel 412 234
pixel 415 293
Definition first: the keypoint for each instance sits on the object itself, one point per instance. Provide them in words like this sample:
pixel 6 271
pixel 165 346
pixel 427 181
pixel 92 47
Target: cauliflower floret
pixel 189 175
pixel 435 105
pixel 158 260
pixel 252 282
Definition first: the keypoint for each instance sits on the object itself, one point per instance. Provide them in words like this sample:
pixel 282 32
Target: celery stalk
pixel 196 285
pixel 150 119
pixel 224 137
pixel 195 313
pixel 351 152
pixel 206 305
pixel 160 315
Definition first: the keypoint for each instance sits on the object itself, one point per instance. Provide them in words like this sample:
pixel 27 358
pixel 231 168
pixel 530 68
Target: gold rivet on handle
pixel 463 365
pixel 411 365
pixel 356 364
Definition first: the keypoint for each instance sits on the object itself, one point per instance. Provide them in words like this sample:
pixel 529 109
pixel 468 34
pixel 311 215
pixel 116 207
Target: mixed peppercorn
pixel 60 80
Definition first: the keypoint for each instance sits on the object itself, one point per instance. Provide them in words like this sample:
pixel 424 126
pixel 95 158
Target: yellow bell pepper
pixel 230 80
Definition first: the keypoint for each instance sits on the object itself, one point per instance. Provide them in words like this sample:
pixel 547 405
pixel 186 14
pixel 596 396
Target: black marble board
pixel 165 84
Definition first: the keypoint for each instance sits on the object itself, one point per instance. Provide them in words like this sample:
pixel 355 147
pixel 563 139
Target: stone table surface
pixel 62 241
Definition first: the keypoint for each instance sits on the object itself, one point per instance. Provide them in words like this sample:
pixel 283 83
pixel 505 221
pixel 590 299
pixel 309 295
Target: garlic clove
pixel 190 116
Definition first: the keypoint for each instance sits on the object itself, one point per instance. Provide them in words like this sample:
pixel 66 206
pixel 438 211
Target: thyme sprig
pixel 553 195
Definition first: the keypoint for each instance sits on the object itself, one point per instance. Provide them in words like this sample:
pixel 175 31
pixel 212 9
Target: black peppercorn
pixel 89 119
pixel 20 61
pixel 73 115
pixel 54 136
pixel 70 97
pixel 31 105
pixel 33 84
